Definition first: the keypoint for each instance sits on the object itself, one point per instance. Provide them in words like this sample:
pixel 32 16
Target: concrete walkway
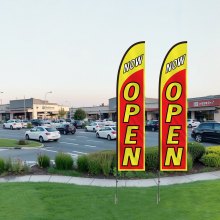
pixel 112 182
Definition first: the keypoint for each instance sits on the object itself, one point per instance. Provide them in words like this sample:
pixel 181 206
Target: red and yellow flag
pixel 173 109
pixel 131 109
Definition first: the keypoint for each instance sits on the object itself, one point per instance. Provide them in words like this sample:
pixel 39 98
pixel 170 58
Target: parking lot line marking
pixel 68 143
pixel 71 139
pixel 89 146
pixel 54 151
pixel 78 152
pixel 81 136
pixel 95 141
pixel 3 149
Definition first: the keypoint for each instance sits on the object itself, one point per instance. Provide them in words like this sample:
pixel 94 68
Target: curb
pixel 22 148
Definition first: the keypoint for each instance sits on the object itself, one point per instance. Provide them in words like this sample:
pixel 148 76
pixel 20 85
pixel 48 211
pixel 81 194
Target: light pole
pixel 24 109
pixel 1 99
pixel 69 109
pixel 45 102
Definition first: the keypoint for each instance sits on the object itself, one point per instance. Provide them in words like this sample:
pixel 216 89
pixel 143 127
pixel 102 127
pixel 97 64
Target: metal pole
pixel 45 103
pixel 24 109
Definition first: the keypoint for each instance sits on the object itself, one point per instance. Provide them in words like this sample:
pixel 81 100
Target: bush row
pixel 62 161
pixel 105 162
pixel 13 166
pixel 211 157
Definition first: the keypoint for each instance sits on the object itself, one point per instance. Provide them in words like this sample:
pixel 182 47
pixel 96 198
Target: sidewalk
pixel 111 182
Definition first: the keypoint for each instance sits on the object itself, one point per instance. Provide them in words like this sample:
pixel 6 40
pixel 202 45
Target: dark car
pixel 37 122
pixel 152 125
pixel 66 129
pixel 78 123
pixel 207 131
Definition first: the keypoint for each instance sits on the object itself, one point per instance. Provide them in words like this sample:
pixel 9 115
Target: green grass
pixel 14 143
pixel 38 201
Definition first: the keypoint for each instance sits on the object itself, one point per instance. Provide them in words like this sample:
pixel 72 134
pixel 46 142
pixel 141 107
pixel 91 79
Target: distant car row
pixel 44 133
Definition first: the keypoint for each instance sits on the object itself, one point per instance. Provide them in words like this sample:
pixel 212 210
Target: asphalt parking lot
pixel 78 144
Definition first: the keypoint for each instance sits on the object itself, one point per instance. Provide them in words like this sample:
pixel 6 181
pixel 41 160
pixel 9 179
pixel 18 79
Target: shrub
pixel 8 165
pixel 94 166
pixel 211 157
pixel 15 166
pixel 63 161
pixel 102 162
pixel 213 149
pixel 82 163
pixel 196 150
pixel 211 160
pixel 189 162
pixel 43 160
pixel 152 158
pixel 106 162
pixel 29 125
pixel 22 142
pixel 2 165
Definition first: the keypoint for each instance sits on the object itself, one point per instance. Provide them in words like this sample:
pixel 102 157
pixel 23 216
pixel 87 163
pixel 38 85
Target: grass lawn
pixel 14 143
pixel 62 201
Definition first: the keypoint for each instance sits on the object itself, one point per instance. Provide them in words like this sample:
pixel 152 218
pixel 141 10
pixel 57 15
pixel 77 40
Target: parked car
pixel 192 123
pixel 152 125
pixel 13 124
pixel 24 123
pixel 69 120
pixel 37 122
pixel 78 123
pixel 66 129
pixel 43 133
pixel 108 132
pixel 207 131
pixel 94 126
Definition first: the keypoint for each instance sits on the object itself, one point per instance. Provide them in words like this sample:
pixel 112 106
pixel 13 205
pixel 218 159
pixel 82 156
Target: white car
pixel 94 126
pixel 108 132
pixel 13 124
pixel 43 133
pixel 192 123
pixel 58 123
pixel 24 123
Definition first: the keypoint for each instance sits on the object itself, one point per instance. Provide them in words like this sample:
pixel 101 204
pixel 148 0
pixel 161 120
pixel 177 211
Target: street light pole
pixel 45 103
pixel 24 109
pixel 1 99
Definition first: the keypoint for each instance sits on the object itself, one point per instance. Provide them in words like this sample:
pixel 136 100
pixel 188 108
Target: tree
pixel 61 113
pixel 79 114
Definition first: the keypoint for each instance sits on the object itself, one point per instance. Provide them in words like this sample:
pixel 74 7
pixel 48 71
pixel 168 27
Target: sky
pixel 73 48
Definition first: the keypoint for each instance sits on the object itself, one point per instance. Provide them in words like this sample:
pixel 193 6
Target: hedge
pixel 196 150
pixel 152 158
pixel 63 161
pixel 211 157
pixel 100 163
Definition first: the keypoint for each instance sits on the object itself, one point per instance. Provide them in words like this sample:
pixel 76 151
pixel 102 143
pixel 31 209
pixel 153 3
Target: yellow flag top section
pixel 175 61
pixel 132 62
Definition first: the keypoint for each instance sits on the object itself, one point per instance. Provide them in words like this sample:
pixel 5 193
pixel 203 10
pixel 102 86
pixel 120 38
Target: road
pixel 80 143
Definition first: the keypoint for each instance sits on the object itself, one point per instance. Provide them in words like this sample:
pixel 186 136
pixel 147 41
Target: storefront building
pixel 204 108
pixel 200 108
pixel 30 109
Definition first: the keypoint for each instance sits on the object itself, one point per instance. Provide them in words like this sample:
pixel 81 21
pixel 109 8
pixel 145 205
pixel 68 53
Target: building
pixel 30 109
pixel 93 113
pixel 204 108
pixel 151 105
pixel 200 108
